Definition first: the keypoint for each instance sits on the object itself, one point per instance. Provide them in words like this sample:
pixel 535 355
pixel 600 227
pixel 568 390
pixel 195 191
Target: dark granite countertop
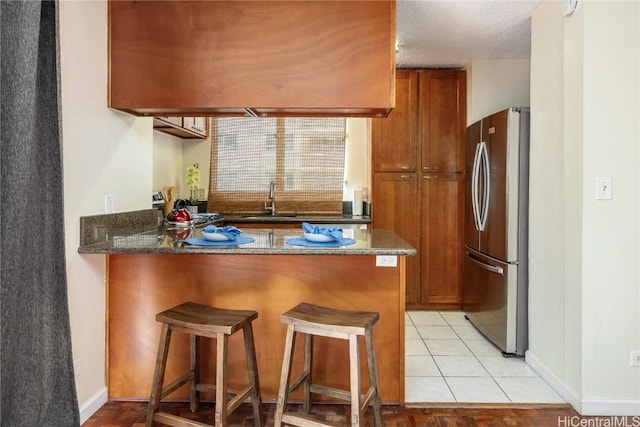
pixel 139 233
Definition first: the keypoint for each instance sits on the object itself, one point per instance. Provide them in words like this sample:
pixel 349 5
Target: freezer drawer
pixel 491 301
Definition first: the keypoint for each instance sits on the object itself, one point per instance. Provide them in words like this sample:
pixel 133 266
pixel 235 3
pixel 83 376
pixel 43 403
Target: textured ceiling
pixel 450 33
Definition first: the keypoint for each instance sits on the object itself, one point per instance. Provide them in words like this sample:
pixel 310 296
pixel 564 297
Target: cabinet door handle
pixel 405 168
pixel 405 177
pixel 429 177
pixel 430 168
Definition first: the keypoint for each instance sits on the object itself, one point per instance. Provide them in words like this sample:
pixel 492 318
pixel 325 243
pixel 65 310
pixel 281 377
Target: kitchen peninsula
pixel 150 269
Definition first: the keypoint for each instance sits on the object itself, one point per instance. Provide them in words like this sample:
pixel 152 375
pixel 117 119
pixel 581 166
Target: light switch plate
pixel 604 190
pixel 108 203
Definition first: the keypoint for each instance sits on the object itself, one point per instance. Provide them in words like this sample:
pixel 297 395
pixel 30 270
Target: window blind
pixel 304 157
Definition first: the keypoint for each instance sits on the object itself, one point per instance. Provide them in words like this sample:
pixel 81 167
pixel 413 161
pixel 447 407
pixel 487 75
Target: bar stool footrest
pixel 240 398
pixel 330 391
pixel 207 388
pixel 298 382
pixel 302 420
pixel 367 399
pixel 176 384
pixel 237 397
pixel 176 421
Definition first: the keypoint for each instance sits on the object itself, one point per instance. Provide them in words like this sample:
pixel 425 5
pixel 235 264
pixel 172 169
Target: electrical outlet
pixel 634 358
pixel 77 367
pixel 199 194
pixel 386 261
pixel 108 203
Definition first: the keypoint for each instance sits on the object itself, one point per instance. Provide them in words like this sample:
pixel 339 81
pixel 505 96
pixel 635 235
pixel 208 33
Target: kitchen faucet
pixel 272 197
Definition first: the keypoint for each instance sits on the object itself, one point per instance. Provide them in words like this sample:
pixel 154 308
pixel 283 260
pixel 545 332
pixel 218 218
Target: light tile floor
pixel 448 360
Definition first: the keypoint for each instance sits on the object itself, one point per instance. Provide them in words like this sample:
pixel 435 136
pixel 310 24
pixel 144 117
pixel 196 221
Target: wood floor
pixel 127 414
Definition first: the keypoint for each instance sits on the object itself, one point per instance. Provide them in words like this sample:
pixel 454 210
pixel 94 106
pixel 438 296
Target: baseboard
pixel 612 408
pixel 585 407
pixel 566 392
pixel 91 405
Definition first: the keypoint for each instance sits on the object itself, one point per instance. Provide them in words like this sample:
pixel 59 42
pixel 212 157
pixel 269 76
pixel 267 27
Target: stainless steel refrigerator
pixel 496 221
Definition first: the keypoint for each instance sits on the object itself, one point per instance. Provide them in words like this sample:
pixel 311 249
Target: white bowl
pixel 321 238
pixel 215 237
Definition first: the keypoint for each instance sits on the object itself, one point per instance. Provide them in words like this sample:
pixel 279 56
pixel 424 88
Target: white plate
pixel 215 237
pixel 313 237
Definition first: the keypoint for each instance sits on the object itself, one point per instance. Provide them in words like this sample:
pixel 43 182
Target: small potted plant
pixel 193 182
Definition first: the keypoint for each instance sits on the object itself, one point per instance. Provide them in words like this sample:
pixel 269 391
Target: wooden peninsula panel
pixel 141 285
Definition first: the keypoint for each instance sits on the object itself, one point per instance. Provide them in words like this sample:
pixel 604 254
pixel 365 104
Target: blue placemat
pixel 201 241
pixel 301 241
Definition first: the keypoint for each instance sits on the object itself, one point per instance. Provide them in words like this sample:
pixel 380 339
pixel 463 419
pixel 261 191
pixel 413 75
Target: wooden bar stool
pixel 203 321
pixel 347 325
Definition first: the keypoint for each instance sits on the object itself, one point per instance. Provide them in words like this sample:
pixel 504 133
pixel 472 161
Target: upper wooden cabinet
pixel 198 58
pixel 443 119
pixel 426 130
pixel 395 138
pixel 183 127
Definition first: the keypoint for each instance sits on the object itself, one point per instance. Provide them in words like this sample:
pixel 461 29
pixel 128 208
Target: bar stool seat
pixel 203 321
pixel 313 320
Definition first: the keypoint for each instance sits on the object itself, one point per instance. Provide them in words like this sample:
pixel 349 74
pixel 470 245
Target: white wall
pixel 554 208
pixel 496 84
pixel 611 238
pixel 167 161
pixel 357 156
pixel 195 151
pixel 104 152
pixel 584 280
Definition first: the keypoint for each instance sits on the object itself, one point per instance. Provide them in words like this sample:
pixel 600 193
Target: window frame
pixel 320 202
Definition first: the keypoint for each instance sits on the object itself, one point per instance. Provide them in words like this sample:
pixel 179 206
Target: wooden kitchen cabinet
pixel 442 239
pixel 443 120
pixel 197 125
pixel 427 135
pixel 395 138
pixel 183 127
pixel 396 208
pixel 199 58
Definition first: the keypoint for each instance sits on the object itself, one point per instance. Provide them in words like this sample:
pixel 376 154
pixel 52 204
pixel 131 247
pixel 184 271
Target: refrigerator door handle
pixel 492 268
pixel 474 188
pixel 484 162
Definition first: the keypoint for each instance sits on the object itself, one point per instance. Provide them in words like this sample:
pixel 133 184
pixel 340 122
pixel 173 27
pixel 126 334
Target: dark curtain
pixel 36 365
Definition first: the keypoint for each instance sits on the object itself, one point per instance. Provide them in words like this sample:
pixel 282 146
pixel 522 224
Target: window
pixel 304 157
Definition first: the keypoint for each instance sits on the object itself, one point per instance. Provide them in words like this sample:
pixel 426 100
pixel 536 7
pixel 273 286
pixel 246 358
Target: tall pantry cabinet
pixel 418 183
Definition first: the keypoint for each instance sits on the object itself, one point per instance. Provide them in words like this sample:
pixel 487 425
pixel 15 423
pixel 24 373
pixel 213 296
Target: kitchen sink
pixel 267 216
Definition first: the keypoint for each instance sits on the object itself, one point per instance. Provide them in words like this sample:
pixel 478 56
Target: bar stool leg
pixel 221 380
pixel 252 368
pixel 194 366
pixel 308 363
pixel 354 369
pixel 283 390
pixel 158 376
pixel 373 378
